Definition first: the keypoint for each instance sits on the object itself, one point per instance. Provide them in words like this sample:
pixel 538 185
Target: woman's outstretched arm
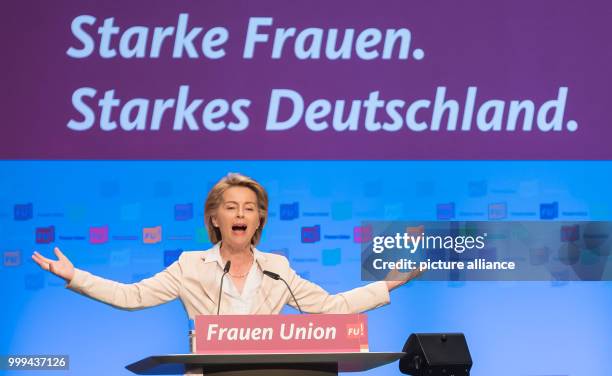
pixel 159 289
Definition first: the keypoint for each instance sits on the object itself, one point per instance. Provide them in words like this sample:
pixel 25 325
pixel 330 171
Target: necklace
pixel 243 275
pixel 248 270
pixel 238 276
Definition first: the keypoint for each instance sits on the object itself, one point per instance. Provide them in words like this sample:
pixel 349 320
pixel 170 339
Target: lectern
pixel 272 345
pixel 302 364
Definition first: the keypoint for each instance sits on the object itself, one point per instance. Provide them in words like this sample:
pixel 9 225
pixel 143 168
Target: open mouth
pixel 239 227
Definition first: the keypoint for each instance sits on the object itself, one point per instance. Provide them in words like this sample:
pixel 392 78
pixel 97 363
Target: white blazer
pixel 196 283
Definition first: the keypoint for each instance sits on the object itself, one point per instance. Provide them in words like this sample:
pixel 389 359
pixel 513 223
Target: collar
pixel 214 255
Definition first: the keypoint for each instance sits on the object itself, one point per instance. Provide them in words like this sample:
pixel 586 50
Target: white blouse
pixel 240 303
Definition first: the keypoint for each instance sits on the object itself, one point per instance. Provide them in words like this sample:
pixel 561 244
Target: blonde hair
pixel 215 197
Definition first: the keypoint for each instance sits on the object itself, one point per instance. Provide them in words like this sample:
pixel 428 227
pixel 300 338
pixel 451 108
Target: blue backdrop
pixel 513 328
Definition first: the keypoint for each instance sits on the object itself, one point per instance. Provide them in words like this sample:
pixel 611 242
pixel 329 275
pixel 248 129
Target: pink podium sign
pixel 281 333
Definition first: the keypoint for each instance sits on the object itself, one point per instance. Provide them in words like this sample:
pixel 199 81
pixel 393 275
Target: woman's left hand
pixel 396 278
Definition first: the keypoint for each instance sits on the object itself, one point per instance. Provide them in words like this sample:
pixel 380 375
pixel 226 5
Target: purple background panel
pixel 509 50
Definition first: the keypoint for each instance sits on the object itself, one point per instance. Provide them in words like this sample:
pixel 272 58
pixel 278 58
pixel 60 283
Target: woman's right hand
pixel 62 267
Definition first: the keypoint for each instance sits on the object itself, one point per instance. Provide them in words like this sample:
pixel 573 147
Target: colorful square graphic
pixel 570 233
pixel 171 255
pixel 549 211
pixel 498 210
pixel 362 234
pixel 289 212
pixel 477 188
pixel 202 235
pixel 183 212
pixel 342 211
pixel 11 258
pixel 45 235
pixel 311 234
pixel 23 212
pixel 331 257
pixel 445 211
pixel 152 235
pixel 98 235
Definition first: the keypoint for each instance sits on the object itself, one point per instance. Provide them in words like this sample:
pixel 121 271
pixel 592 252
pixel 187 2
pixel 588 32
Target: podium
pixel 302 364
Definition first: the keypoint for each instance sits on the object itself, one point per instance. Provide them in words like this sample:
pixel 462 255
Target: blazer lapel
pixel 210 279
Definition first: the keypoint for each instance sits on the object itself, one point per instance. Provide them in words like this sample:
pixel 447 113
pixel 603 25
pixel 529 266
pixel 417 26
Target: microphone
pixel 278 277
pixel 226 270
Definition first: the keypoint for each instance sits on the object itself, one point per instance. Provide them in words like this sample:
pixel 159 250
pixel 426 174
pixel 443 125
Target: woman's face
pixel 237 217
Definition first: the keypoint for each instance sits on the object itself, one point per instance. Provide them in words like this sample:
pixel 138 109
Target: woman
pixel 235 214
